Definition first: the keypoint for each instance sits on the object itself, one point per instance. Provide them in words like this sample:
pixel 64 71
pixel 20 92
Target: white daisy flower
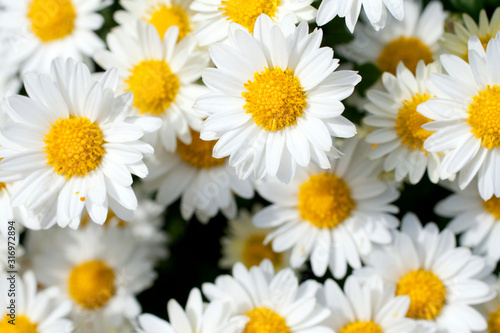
pixel 275 100
pixel 465 116
pixel 366 307
pixel 375 10
pixel 272 302
pixel 197 318
pixel 244 242
pixel 60 172
pixel 491 309
pixel 216 16
pixel 332 217
pixel 398 136
pixel 411 40
pixel 456 42
pixel 161 74
pixel 205 184
pixel 45 29
pixel 34 311
pixel 442 280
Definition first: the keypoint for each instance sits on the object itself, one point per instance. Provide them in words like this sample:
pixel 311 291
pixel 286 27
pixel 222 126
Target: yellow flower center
pixel 492 205
pixel 409 123
pixel 51 19
pixel 22 325
pixel 263 320
pixel 245 12
pixel 74 146
pixel 164 17
pixel 199 152
pixel 154 86
pixel 255 251
pixel 275 98
pixel 361 327
pixel 407 49
pixel 494 322
pixel 325 200
pixel 484 116
pixel 2 186
pixel 427 294
pixel 92 284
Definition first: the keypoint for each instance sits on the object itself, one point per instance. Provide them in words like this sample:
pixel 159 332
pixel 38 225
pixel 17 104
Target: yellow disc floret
pixel 74 146
pixel 410 50
pixel 494 322
pixel 427 294
pixel 275 98
pixel 21 325
pixel 154 86
pixel 2 186
pixel 492 205
pixel 263 320
pixel 325 200
pixel 409 123
pixel 484 116
pixel 245 12
pixel 199 152
pixel 255 251
pixel 163 17
pixel 51 19
pixel 361 327
pixel 92 284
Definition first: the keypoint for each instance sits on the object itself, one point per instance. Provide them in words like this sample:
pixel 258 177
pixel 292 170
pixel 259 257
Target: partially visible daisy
pixel 78 148
pixel 215 16
pixel 275 302
pixel 334 217
pixel 465 116
pixel 204 184
pixel 46 29
pixel 442 280
pixel 398 137
pixel 411 40
pixel 161 74
pixel 491 309
pixel 455 42
pixel 198 317
pixel 375 10
pixel 244 242
pixel 276 99
pixel 35 311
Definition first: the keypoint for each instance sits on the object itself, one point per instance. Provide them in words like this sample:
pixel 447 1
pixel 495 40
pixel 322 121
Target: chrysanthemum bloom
pixel 205 184
pixel 442 280
pixel 215 16
pixel 366 307
pixel 73 146
pixel 331 216
pixel 161 74
pixel 198 317
pixel 44 29
pixel 414 39
pixel 465 117
pixel 375 10
pixel 456 42
pixel 35 311
pixel 398 136
pixel 275 100
pixel 272 302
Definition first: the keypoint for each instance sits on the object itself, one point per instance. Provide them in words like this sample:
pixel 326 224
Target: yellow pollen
pixel 22 325
pixel 74 146
pixel 275 98
pixel 51 19
pixel 255 251
pixel 325 200
pixel 2 186
pixel 92 284
pixel 494 322
pixel 409 123
pixel 164 17
pixel 199 152
pixel 484 116
pixel 407 49
pixel 492 205
pixel 154 86
pixel 427 294
pixel 263 320
pixel 361 327
pixel 245 12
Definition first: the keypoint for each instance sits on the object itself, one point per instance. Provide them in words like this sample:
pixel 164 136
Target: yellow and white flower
pixel 491 309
